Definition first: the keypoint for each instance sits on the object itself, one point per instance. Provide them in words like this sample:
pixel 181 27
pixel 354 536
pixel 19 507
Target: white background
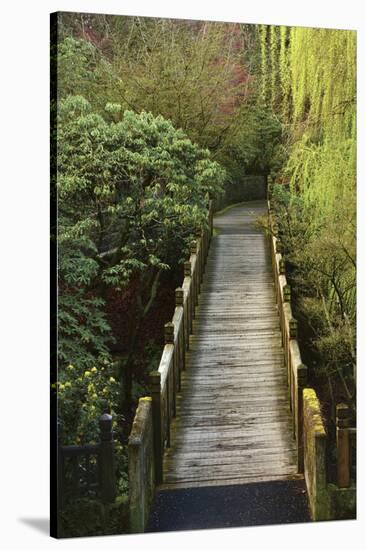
pixel 24 285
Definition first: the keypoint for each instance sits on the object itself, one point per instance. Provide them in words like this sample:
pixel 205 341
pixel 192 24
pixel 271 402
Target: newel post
pixel 196 277
pixel 279 247
pixel 169 339
pixel 287 293
pixel 302 382
pixel 179 302
pixel 193 247
pixel 155 392
pixel 169 333
pixel 343 448
pixel 107 470
pixel 293 328
pixel 199 241
pixel 190 304
pixel 179 296
pixel 282 267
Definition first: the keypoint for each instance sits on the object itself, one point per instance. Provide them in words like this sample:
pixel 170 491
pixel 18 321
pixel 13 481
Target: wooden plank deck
pixel 233 421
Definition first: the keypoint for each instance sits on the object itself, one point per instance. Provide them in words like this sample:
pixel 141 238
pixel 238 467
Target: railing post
pixel 179 296
pixel 187 268
pixel 282 267
pixel 196 277
pixel 155 391
pixel 302 380
pixel 290 367
pixel 188 273
pixel 199 240
pixel 179 302
pixel 210 218
pixel 169 339
pixel 343 448
pixel 279 247
pixel 287 293
pixel 293 328
pixel 169 333
pixel 107 470
pixel 141 473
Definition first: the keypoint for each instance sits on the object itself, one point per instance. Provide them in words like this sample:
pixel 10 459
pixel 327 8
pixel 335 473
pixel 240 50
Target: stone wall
pixel 249 188
pixel 141 466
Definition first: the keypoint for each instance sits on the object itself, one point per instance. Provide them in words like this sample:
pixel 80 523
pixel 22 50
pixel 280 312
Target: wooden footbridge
pixel 226 402
pixel 233 421
pixel 231 434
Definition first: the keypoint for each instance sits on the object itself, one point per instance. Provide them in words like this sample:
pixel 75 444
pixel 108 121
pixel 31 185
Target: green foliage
pixel 263 32
pixel 82 397
pixel 323 275
pixel 316 72
pixel 131 195
pixel 135 185
pixel 196 74
pixel 87 518
pixel 83 332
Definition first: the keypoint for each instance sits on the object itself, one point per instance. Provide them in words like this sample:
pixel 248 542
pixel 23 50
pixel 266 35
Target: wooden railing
pixel 297 375
pixel 150 433
pixel 166 381
pixel 345 441
pixel 315 440
pixel 308 426
pixel 141 468
pixel 87 470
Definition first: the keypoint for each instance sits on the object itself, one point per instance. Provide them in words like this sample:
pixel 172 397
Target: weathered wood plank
pixel 233 421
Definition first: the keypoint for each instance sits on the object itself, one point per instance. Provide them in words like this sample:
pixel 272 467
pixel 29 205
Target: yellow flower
pixel 67 384
pixel 87 373
pixel 94 396
pixel 112 380
pixel 94 369
pixel 70 367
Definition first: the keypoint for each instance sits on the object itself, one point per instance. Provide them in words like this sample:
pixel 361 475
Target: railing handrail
pixel 103 450
pixel 165 382
pixel 297 371
pixel 297 376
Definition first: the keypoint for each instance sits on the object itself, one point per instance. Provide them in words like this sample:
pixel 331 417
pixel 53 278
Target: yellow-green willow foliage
pixel 316 101
pixel 285 74
pixel 274 58
pixel 313 89
pixel 309 80
pixel 265 68
pixel 269 39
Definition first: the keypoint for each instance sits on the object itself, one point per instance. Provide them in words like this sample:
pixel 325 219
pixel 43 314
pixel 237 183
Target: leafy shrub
pixel 131 195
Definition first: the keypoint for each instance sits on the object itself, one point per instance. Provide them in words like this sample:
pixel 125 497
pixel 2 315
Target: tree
pixel 131 196
pixel 196 74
